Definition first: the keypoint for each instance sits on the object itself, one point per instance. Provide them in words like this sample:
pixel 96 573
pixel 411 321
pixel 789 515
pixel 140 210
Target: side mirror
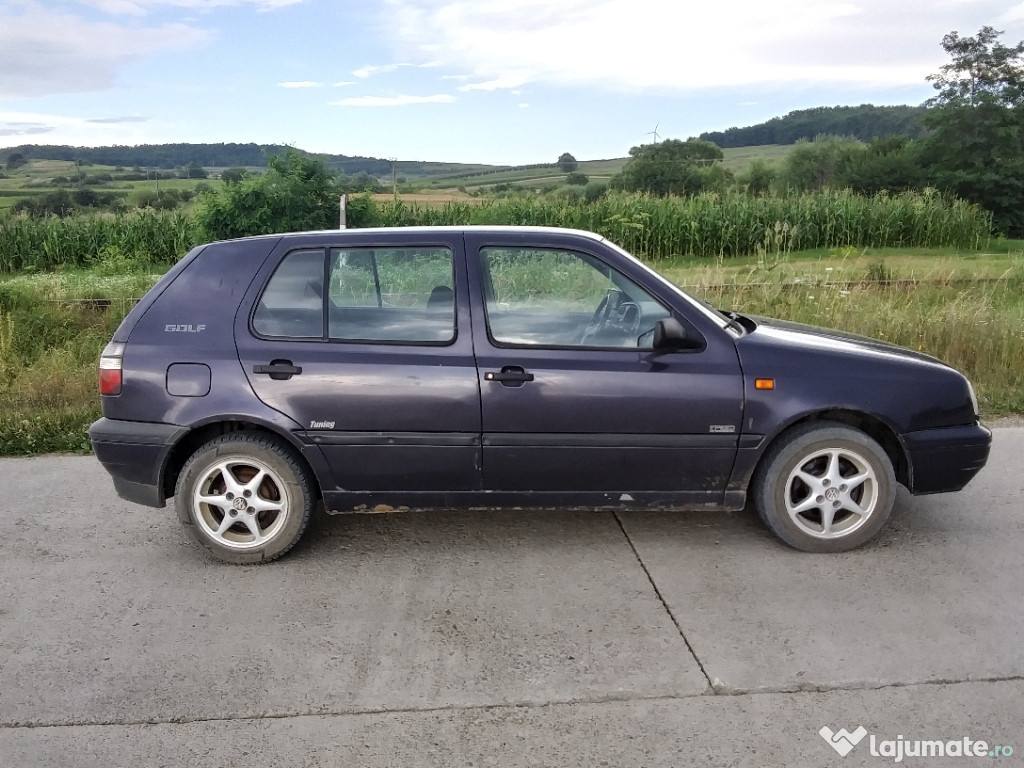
pixel 669 334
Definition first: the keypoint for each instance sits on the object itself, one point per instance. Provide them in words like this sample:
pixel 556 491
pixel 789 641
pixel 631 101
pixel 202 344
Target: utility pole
pixel 394 177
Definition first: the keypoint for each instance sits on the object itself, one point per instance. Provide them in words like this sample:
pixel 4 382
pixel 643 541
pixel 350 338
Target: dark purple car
pixel 471 366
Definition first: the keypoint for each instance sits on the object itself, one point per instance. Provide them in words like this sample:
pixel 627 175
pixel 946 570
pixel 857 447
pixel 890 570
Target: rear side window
pixel 389 295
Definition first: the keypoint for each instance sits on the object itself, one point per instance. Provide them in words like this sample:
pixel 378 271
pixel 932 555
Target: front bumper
pixel 946 459
pixel 135 454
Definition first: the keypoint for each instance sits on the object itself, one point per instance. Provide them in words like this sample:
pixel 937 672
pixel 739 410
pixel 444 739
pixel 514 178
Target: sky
pixel 472 81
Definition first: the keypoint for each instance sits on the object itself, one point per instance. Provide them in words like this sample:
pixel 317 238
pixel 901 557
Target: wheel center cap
pixel 832 494
pixel 239 503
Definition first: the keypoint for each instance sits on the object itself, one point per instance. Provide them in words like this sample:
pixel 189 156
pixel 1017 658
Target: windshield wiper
pixel 733 319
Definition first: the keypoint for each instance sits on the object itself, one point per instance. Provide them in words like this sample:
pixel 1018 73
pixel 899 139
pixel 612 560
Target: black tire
pixel 256 519
pixel 799 486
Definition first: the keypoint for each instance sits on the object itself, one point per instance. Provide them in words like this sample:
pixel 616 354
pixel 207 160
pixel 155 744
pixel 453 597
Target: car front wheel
pixel 825 487
pixel 245 497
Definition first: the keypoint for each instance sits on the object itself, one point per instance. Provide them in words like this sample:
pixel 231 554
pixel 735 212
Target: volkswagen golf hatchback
pixel 382 369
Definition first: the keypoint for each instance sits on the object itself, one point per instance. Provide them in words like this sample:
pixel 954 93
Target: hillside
pixel 865 122
pixel 171 156
pixel 769 140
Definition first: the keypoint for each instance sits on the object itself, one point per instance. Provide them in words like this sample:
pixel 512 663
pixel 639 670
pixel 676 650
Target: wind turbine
pixel 654 133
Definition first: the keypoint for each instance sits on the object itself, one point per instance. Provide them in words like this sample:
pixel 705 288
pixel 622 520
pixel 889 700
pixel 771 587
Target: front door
pixel 574 397
pixel 367 345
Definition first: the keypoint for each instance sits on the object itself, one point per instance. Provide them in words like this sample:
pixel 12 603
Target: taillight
pixel 111 363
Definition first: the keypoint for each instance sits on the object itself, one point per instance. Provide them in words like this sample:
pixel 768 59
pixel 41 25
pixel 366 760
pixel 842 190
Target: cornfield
pixel 712 226
pixel 653 228
pixel 154 237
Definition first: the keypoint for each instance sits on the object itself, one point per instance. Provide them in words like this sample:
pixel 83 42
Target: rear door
pixel 574 399
pixel 364 339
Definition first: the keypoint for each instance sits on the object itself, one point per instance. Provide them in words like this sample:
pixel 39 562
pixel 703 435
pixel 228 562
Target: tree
pixel 890 163
pixel 194 171
pixel 297 193
pixel 232 175
pixel 983 71
pixel 594 191
pixel 567 163
pixel 815 165
pixel 577 178
pixel 15 160
pixel 976 145
pixel 759 178
pixel 670 167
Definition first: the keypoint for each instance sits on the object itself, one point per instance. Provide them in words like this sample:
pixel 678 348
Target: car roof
pixel 482 229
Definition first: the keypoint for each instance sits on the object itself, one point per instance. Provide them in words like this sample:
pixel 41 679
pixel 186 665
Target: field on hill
pixel 41 177
pixel 736 160
pixel 437 184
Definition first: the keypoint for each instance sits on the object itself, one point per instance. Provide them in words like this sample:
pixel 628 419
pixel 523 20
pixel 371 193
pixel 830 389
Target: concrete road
pixel 507 639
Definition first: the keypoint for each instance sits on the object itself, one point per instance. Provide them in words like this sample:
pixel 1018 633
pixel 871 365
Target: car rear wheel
pixel 825 487
pixel 245 497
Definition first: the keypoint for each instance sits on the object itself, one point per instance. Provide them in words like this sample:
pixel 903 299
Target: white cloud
pixel 300 84
pixel 343 83
pixel 141 7
pixel 44 53
pixel 393 101
pixel 117 120
pixel 651 45
pixel 87 129
pixel 376 69
pixel 381 69
pixel 504 83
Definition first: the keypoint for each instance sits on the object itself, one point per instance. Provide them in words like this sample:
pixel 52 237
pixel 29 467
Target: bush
pixel 594 191
pixel 297 193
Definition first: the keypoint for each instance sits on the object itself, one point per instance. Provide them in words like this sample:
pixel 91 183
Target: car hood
pixel 810 336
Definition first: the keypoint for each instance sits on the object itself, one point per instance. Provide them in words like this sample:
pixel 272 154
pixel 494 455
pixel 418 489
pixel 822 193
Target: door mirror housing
pixel 669 333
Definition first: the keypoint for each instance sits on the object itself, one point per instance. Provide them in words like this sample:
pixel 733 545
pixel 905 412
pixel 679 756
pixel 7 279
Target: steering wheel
pixel 601 314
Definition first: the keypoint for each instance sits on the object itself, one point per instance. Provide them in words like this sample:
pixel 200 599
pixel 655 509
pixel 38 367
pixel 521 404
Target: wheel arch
pixel 872 426
pixel 203 433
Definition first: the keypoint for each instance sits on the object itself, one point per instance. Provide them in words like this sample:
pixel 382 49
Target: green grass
pixel 738 159
pixel 49 347
pixel 975 326
pixel 933 265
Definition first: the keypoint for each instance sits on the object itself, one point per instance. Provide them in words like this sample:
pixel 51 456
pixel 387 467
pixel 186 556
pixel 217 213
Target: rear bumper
pixel 135 454
pixel 946 459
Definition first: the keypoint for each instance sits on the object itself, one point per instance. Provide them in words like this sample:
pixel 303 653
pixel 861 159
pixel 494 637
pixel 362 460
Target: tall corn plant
pixel 157 237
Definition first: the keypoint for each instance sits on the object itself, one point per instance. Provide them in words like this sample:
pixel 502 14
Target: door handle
pixel 510 376
pixel 279 370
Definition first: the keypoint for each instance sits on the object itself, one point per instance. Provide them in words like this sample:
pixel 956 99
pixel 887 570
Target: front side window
pixel 560 298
